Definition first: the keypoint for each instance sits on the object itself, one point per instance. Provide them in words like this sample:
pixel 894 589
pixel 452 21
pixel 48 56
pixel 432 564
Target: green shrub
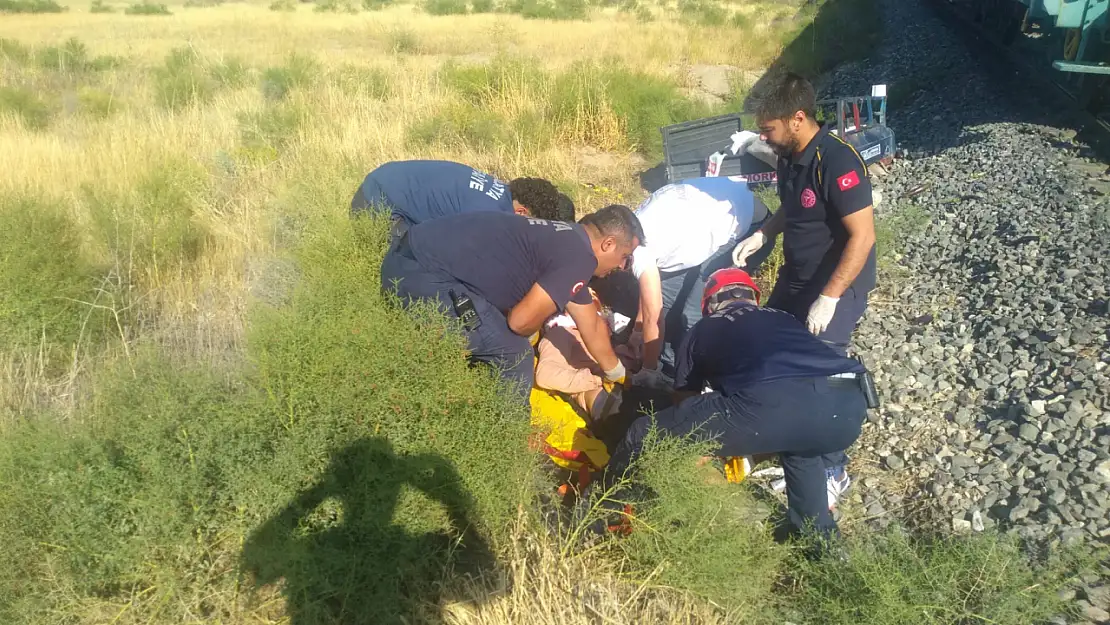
pixel 474 125
pixel 445 7
pixel 701 533
pixel 105 62
pixel 299 71
pixel 153 228
pixel 182 80
pixel 271 130
pixel 359 436
pixel 374 5
pixel 135 499
pixel 633 7
pixel 98 6
pixel 643 103
pixel 44 276
pixel 703 12
pixel 73 57
pixel 482 6
pixel 530 128
pixel 231 73
pixel 741 21
pixel 549 9
pixel 97 103
pixel 335 6
pixel 403 40
pixel 25 104
pixel 487 82
pixel 574 99
pixel 894 228
pixel 31 6
pixel 147 8
pixel 283 5
pixel 13 51
pixel 403 375
pixel 460 125
pixel 894 578
pixel 363 82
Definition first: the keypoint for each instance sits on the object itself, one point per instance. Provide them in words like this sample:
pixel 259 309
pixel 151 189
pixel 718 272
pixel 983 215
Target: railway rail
pixel 1060 45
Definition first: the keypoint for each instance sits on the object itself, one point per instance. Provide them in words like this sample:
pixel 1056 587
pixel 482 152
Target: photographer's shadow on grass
pixel 354 563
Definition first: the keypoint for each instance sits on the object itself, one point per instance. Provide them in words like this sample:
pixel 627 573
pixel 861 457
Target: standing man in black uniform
pixel 827 222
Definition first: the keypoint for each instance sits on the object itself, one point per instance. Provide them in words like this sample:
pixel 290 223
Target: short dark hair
pixel 784 95
pixel 618 290
pixel 616 220
pixel 539 196
pixel 566 209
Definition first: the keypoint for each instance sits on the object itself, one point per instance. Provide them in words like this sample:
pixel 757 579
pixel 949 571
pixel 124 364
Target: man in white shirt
pixel 689 229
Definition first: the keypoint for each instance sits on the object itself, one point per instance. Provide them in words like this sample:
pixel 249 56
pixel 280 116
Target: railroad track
pixel 1093 127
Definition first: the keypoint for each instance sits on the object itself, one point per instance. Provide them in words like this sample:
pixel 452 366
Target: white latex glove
pixel 649 378
pixel 617 373
pixel 747 247
pixel 821 313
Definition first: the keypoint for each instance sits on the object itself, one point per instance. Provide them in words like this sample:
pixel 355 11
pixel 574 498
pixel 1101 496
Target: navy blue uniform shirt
pixel 500 256
pixel 743 344
pixel 424 190
pixel 826 182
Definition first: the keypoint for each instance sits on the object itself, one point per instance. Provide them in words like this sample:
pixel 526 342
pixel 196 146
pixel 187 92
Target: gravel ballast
pixel 990 334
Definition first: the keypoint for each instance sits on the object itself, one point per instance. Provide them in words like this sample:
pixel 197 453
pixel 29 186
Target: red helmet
pixel 723 282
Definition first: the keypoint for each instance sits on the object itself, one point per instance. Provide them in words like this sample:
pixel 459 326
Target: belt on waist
pixel 847 380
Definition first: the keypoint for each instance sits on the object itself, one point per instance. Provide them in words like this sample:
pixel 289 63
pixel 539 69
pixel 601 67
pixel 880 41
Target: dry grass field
pixel 208 414
pixel 230 107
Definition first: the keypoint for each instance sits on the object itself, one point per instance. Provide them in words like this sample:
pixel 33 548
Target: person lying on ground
pixel 564 365
pixel 416 191
pixel 503 275
pixel 773 388
pixel 690 227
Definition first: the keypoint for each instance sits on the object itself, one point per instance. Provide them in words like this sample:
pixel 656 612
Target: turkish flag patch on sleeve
pixel 848 180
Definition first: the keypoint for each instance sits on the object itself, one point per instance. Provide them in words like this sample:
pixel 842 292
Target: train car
pixel 1068 38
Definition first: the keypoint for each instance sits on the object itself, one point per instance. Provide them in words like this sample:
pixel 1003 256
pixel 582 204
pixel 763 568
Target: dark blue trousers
pixel 849 310
pixel 492 343
pixel 682 291
pixel 800 419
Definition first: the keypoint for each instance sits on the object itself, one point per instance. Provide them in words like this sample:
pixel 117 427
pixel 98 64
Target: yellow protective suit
pixel 567 441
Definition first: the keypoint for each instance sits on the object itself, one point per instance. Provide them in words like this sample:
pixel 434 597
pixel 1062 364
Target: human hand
pixel 649 378
pixel 617 374
pixel 747 247
pixel 821 313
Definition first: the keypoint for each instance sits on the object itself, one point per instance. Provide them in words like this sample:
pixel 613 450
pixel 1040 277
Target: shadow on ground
pixel 342 557
pixel 941 78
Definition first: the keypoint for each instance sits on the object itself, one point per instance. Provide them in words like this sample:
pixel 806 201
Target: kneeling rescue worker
pixel 504 275
pixel 413 192
pixel 774 388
